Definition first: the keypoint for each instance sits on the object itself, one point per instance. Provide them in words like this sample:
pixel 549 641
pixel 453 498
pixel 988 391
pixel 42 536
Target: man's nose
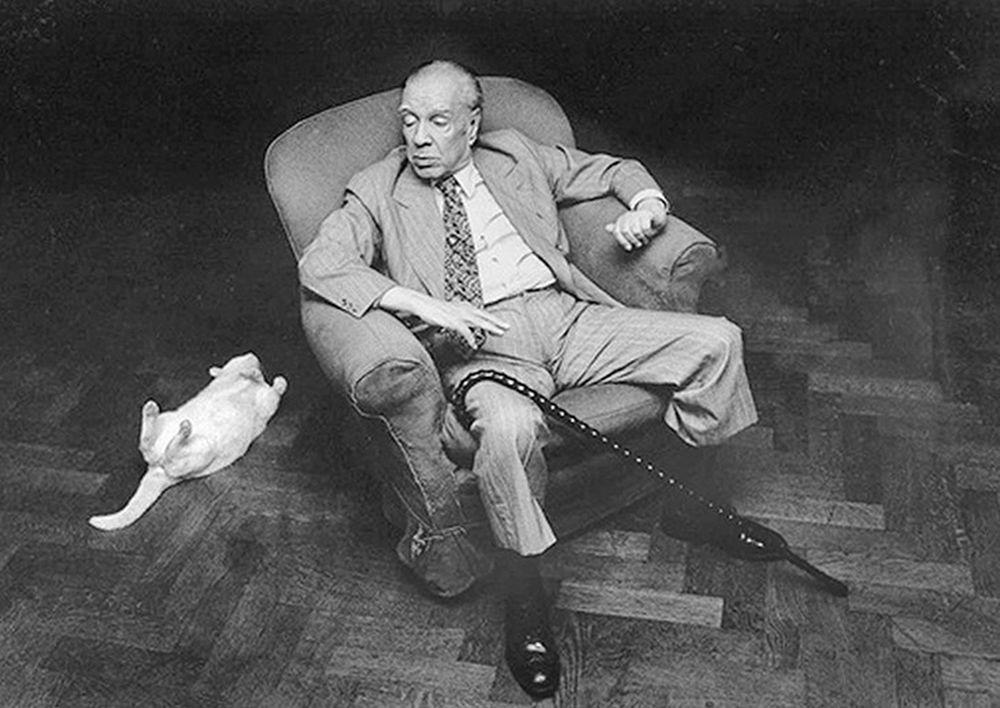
pixel 420 134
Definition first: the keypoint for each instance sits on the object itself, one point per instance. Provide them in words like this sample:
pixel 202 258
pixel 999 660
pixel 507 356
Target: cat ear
pixel 183 435
pixel 214 372
pixel 146 432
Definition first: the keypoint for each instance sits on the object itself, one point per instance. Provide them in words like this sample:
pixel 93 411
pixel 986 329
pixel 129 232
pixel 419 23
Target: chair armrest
pixel 667 274
pixel 388 376
pixel 373 360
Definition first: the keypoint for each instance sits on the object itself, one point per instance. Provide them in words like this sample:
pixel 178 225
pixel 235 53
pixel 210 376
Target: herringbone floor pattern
pixel 273 583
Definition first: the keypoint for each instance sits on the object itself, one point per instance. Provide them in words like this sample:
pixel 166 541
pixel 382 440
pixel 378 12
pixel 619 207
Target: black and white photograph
pixel 484 353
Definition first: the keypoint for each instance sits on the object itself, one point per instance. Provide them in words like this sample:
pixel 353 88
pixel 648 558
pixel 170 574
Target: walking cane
pixel 703 521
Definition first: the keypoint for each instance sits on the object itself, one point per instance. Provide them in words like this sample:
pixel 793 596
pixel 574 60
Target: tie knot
pixel 448 185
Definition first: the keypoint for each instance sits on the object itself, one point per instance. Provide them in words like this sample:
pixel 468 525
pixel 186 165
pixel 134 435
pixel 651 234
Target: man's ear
pixel 475 120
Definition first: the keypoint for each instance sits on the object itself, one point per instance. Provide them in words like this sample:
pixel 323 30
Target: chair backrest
pixel 308 166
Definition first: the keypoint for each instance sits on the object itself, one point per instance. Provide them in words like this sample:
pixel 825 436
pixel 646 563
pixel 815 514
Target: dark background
pixel 134 217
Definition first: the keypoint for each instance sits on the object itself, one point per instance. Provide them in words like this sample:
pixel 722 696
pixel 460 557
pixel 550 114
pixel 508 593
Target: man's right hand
pixel 454 315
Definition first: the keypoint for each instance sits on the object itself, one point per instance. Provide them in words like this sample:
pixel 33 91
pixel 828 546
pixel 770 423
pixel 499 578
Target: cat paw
pixel 280 384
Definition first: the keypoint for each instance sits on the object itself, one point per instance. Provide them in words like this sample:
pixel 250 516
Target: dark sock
pixel 519 574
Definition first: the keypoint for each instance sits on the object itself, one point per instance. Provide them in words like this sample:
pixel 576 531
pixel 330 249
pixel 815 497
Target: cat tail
pixel 151 486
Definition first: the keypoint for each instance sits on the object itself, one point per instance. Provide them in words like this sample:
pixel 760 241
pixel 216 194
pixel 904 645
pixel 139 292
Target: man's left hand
pixel 635 228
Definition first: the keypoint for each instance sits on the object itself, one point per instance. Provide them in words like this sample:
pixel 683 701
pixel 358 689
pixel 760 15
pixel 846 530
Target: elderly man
pixel 465 226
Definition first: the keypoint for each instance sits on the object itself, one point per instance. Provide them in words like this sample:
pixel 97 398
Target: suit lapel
pixel 510 186
pixel 422 230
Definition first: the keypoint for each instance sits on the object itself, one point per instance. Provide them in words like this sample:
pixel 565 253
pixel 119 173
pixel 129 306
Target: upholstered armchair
pixel 388 379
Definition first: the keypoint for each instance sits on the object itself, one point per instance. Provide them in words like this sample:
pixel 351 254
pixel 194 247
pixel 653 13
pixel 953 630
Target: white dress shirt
pixel 507 266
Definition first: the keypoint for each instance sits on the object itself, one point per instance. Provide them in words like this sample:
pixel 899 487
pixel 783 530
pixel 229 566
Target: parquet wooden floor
pixel 273 583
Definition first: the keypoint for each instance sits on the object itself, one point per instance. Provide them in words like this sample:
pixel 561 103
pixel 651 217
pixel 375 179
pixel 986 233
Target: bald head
pixel 466 83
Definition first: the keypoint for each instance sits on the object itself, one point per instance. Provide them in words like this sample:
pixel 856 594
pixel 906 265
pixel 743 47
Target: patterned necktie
pixel 461 272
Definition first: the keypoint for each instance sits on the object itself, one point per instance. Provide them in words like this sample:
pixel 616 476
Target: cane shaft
pixel 765 543
pixel 832 584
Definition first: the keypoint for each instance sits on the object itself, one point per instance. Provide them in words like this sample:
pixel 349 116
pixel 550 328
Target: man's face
pixel 438 127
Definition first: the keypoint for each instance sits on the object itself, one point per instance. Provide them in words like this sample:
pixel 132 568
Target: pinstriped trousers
pixel 555 342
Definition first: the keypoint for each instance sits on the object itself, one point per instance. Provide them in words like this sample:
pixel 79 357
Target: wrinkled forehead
pixel 431 93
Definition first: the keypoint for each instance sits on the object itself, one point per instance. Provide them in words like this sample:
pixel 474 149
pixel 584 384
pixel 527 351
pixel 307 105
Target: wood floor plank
pixel 757 488
pixel 248 659
pixel 769 332
pixel 44 479
pixel 877 569
pixel 304 682
pixel 624 545
pixel 27 526
pixel 816 511
pixel 957 698
pixel 40 455
pixel 328 632
pixel 200 511
pixel 23 648
pixel 203 620
pixel 823 537
pixel 380 588
pixel 196 573
pixel 920 500
pixel 980 513
pixel 862 459
pixel 303 505
pixel 785 614
pixel 896 600
pixel 918 410
pixel 87 692
pixel 381 668
pixel 971 629
pixel 847 657
pixel 977 466
pixel 802 354
pixel 640 604
pixel 971 674
pixel 918 679
pixel 875 386
pixel 740 584
pixel 113 663
pixel 409 696
pixel 79 613
pixel 702 680
pixel 757 436
pixel 55 393
pixel 972 476
pixel 597 570
pixel 749 461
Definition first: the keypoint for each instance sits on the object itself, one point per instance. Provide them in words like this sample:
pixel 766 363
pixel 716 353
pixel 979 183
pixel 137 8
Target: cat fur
pixel 204 435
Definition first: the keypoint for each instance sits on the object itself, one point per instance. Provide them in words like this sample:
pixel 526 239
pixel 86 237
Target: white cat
pixel 209 432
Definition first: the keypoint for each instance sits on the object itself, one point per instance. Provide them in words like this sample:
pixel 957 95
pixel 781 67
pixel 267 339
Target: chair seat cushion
pixel 614 409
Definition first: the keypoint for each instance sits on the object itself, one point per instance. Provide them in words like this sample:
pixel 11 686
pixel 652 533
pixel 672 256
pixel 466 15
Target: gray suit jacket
pixel 389 230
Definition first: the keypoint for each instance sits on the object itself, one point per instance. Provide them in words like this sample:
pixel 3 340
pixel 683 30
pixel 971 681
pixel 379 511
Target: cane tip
pixel 837 588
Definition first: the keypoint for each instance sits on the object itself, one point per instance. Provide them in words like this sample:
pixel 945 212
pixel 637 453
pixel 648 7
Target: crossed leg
pixel 561 342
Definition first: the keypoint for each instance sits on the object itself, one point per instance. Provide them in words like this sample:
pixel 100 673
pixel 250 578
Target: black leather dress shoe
pixel 531 650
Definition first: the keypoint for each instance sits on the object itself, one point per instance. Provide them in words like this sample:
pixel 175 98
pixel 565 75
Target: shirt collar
pixel 468 179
